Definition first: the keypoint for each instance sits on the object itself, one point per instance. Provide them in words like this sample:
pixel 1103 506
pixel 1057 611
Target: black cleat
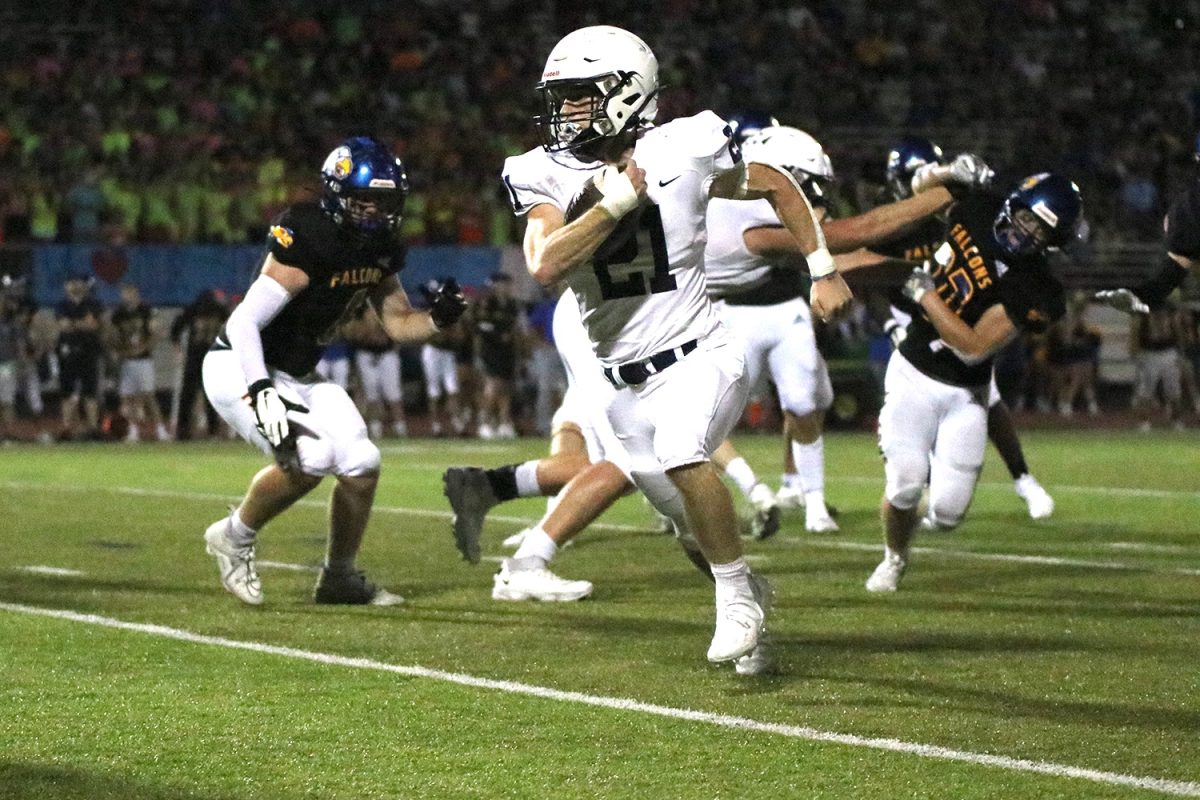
pixel 470 495
pixel 351 589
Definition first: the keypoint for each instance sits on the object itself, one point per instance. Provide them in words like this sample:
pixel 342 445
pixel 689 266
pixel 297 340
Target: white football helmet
pixel 794 150
pixel 599 82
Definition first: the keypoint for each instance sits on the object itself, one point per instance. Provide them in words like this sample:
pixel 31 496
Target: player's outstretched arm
pixel 885 221
pixel 1140 299
pixel 408 325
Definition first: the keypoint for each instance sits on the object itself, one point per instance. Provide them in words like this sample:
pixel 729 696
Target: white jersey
pixel 645 290
pixel 731 267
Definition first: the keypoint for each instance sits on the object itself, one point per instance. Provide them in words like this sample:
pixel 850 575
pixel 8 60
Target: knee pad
pixel 359 458
pixel 951 487
pixel 906 474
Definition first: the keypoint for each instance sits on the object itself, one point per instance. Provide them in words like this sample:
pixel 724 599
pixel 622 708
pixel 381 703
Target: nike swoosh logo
pixel 590 60
pixel 672 180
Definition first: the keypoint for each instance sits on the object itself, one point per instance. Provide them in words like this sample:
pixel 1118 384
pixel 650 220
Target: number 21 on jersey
pixel 639 242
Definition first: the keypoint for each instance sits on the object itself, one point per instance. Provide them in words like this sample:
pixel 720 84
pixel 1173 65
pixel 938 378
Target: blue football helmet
pixel 1044 211
pixel 745 124
pixel 365 186
pixel 910 154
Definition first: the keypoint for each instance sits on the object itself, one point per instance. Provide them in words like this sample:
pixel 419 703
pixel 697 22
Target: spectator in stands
pixel 1154 345
pixel 377 363
pixel 192 332
pixel 1073 353
pixel 134 334
pixel 79 352
pixel 498 323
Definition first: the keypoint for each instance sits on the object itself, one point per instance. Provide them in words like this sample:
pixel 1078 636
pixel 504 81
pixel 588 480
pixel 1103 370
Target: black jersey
pixel 495 321
pixel 342 269
pixel 972 273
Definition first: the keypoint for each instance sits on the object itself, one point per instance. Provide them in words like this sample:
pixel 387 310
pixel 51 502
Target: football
pixel 587 196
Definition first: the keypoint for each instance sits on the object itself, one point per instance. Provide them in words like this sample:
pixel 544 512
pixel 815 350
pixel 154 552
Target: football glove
pixel 918 283
pixel 270 413
pixel 1122 300
pixel 446 303
pixel 969 169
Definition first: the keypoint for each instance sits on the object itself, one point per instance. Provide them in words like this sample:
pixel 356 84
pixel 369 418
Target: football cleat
pixel 765 523
pixel 470 495
pixel 1041 504
pixel 236 564
pixel 739 625
pixel 529 579
pixel 817 519
pixel 886 577
pixel 760 660
pixel 351 589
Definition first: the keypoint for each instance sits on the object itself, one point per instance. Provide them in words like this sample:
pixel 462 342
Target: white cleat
pixel 739 625
pixel 760 660
pixel 517 581
pixel 789 498
pixel 236 564
pixel 1041 504
pixel 886 577
pixel 817 519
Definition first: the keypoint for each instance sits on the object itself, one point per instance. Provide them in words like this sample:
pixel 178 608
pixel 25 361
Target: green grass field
pixel 1020 659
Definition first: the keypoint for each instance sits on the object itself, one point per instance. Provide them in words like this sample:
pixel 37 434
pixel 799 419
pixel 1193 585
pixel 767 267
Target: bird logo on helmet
pixel 1043 212
pixel 365 187
pixel 600 84
pixel 910 154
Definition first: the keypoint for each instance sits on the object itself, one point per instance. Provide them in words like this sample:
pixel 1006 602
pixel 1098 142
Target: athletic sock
pixel 527 482
pixel 742 474
pixel 537 544
pixel 514 480
pixel 240 534
pixel 810 465
pixel 731 578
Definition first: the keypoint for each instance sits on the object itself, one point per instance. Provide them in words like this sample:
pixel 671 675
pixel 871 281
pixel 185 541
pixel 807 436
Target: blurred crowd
pixel 79 371
pixel 115 125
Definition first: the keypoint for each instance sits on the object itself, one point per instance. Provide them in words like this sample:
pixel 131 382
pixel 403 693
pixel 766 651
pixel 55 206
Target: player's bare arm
pixel 402 323
pixel 553 247
pixel 972 343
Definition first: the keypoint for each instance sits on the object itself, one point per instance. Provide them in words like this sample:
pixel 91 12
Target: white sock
pixel 732 578
pixel 742 474
pixel 791 480
pixel 892 555
pixel 810 465
pixel 537 544
pixel 527 483
pixel 240 533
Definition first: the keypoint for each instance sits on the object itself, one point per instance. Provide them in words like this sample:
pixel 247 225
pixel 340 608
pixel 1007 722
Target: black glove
pixel 446 303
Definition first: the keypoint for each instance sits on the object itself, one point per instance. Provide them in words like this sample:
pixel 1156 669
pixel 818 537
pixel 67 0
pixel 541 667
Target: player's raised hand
pixel 830 298
pixel 1122 300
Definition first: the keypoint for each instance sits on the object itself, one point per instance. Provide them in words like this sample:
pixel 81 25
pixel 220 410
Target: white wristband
pixel 619 195
pixel 820 263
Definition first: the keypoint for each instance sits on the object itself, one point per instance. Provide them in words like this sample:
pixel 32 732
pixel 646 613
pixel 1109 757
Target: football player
pixel 915 158
pixel 633 255
pixel 134 334
pixel 1182 229
pixel 985 283
pixel 750 260
pixel 325 260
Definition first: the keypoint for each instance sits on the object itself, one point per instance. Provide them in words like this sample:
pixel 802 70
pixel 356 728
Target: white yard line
pixel 627 705
pixel 797 540
pixel 58 572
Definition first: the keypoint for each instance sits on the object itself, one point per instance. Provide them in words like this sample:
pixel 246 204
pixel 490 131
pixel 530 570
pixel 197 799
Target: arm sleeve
pixel 263 302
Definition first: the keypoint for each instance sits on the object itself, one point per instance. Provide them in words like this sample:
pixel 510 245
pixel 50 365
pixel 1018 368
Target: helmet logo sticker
pixel 282 235
pixel 1042 210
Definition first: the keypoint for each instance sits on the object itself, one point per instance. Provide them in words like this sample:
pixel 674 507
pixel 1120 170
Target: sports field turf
pixel 1019 660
